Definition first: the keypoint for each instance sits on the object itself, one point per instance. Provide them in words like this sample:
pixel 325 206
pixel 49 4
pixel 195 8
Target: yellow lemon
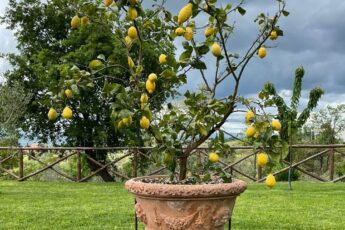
pixel 67 113
pixel 144 122
pixel 250 131
pixel 130 62
pixel 167 159
pixel 144 98
pixel 108 2
pixel 75 22
pixel 96 64
pixel 132 32
pixel 185 13
pixel 262 52
pixel 249 115
pixel 209 31
pixel 152 77
pixel 128 40
pixel 179 31
pixel 262 159
pixel 84 20
pixel 68 93
pixel 150 86
pixel 120 124
pixel 276 125
pixel 52 114
pixel 213 157
pixel 188 35
pixel 163 59
pixel 127 120
pixel 206 7
pixel 132 13
pixel 273 35
pixel 270 181
pixel 216 50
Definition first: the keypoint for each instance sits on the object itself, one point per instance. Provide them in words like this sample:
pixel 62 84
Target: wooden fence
pixel 329 152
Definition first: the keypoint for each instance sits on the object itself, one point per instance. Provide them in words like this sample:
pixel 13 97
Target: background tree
pixel 291 119
pixel 52 55
pixel 13 106
pixel 328 124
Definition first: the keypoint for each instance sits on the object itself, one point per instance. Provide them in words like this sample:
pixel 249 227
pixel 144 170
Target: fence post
pixel 21 165
pixel 135 163
pixel 331 164
pixel 78 166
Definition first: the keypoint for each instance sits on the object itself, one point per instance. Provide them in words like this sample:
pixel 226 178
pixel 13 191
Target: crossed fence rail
pixel 134 153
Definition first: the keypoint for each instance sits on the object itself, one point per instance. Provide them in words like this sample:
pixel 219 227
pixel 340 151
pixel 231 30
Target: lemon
pixel 249 115
pixel 142 105
pixel 216 50
pixel 262 52
pixel 150 86
pixel 152 77
pixel 276 125
pixel 270 181
pixel 209 31
pixel 130 62
pixel 128 40
pixel 68 93
pixel 250 131
pixel 213 157
pixel 273 35
pixel 206 7
pixel 52 114
pixel 144 122
pixel 188 35
pixel 95 64
pixel 262 159
pixel 167 159
pixel 84 20
pixel 180 31
pixel 67 113
pixel 120 124
pixel 185 13
pixel 144 98
pixel 132 32
pixel 127 120
pixel 132 13
pixel 108 2
pixel 75 22
pixel 163 59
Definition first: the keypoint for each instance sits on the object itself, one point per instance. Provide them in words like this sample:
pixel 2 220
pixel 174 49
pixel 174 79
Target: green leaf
pixel 75 89
pixel 201 50
pixel 168 73
pixel 241 10
pixel 285 13
pixel 185 56
pixel 197 64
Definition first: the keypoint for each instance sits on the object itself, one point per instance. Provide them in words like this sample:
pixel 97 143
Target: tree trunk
pixel 183 168
pixel 104 174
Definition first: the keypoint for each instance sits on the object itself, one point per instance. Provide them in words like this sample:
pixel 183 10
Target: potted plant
pixel 183 199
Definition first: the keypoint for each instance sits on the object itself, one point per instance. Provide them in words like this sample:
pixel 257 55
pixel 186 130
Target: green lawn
pixel 52 205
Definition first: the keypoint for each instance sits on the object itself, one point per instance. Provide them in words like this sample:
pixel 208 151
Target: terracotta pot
pixel 180 207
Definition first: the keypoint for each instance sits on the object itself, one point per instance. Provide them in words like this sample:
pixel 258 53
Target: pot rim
pixel 156 190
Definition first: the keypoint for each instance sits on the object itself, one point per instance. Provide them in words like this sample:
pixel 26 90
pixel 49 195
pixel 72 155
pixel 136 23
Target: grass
pixel 52 205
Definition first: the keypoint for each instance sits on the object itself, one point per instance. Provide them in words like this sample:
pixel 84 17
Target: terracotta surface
pixel 180 207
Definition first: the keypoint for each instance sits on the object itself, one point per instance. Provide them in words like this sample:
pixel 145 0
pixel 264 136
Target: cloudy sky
pixel 314 38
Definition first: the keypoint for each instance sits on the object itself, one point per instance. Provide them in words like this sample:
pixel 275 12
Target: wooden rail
pixel 18 153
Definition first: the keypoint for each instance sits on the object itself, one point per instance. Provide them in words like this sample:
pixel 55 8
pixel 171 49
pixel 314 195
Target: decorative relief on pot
pixel 140 213
pixel 178 223
pixel 221 217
